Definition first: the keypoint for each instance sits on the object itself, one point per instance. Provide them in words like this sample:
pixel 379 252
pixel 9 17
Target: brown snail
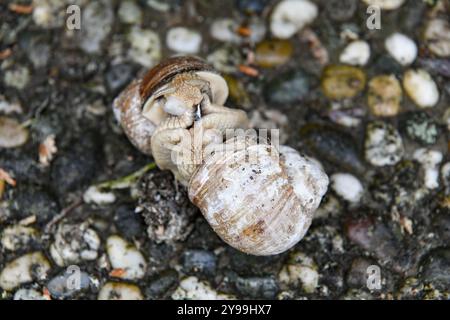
pixel 259 198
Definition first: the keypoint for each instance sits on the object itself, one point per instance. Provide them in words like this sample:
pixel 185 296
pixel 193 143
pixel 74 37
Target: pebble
pixel 356 53
pixel 201 261
pixel 28 294
pixel 357 274
pixel 183 40
pixel 130 13
pixel 384 96
pixel 27 268
pixel 50 13
pixel 257 287
pixel 332 145
pixel 124 256
pixel 18 237
pixel 421 88
pixel 430 160
pixel 225 59
pixel 342 81
pixel 300 270
pixel 420 127
pixel 347 186
pixel 437 37
pixel 435 268
pixel 17 78
pixel 288 87
pixel 74 243
pixel 273 53
pixel 12 133
pixel 161 286
pixel 97 20
pixel 385 4
pixel 94 195
pixel 383 144
pixel 225 29
pixel 145 46
pixel 68 284
pixel 402 48
pixel 290 16
pixel 192 288
pixel 129 223
pixel 120 291
pixel 341 10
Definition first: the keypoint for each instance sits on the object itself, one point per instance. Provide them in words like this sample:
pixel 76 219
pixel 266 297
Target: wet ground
pixel 75 196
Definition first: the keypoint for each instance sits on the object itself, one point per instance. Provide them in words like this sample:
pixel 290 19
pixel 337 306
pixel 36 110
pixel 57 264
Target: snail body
pixel 258 197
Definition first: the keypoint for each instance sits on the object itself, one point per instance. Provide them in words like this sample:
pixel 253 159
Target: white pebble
pixel 94 195
pixel 225 30
pixel 74 243
pixel 385 4
pixel 17 236
pixel 437 37
pixel 401 48
pixel 183 40
pixel 120 291
pixel 193 289
pixel 356 53
pixel 383 144
pixel 129 12
pixel 290 16
pixel 421 88
pixel 126 257
pixel 347 186
pixel 430 160
pixel 300 270
pixel 27 268
pixel 145 46
pixel 28 294
pixel 445 173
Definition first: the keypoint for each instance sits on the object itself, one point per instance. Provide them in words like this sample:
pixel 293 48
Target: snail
pixel 258 197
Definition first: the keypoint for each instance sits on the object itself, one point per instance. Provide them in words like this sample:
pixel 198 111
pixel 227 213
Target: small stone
pixel 357 275
pixel 74 243
pixel 225 59
pixel 68 284
pixel 342 82
pixel 225 29
pixel 125 257
pixel 273 53
pixel 17 78
pixel 300 270
pixel 130 13
pixel 128 222
pixel 401 48
pixel 183 40
pixel 192 289
pixel 356 53
pixel 237 91
pixel 435 268
pixel 437 37
pixel 421 88
pixel 120 291
pixel 385 4
pixel 161 286
pixel 27 268
pixel 383 144
pixel 17 236
pixel 288 88
pixel 430 160
pixel 341 10
pixel 28 294
pixel 12 133
pixel 94 195
pixel 257 287
pixel 145 46
pixel 290 16
pixel 347 186
pixel 201 261
pixel 420 127
pixel 384 96
pixel 97 21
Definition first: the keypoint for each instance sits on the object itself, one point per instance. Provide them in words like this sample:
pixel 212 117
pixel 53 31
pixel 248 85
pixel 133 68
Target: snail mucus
pixel 258 197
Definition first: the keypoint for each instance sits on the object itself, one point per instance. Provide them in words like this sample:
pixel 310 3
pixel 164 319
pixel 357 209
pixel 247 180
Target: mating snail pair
pixel 258 197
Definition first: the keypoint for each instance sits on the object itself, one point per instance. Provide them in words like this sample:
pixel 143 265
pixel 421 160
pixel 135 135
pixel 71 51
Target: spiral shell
pixel 257 198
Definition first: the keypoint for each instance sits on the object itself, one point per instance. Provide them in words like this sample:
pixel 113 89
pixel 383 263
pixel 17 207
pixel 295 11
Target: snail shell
pixel 257 199
pixel 139 112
